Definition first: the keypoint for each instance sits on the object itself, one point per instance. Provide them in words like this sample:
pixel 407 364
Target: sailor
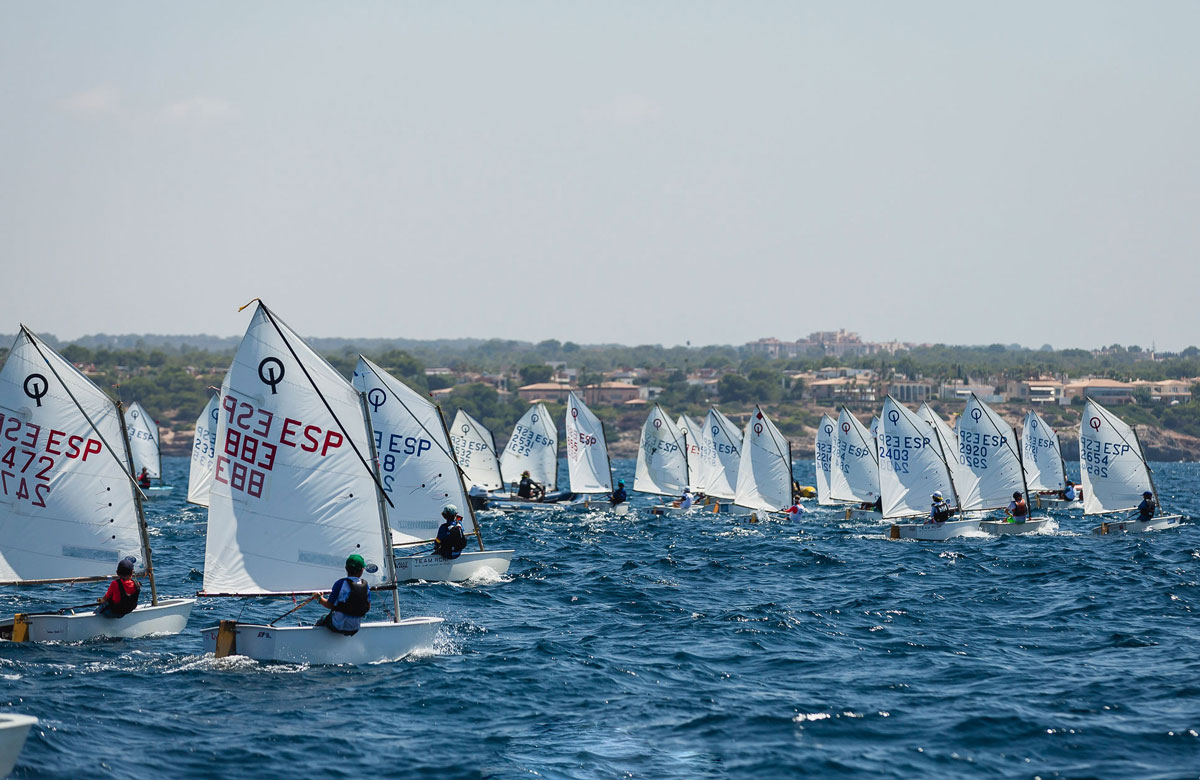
pixel 1069 491
pixel 939 511
pixel 121 598
pixel 619 496
pixel 450 539
pixel 1018 510
pixel 349 599
pixel 1146 508
pixel 143 479
pixel 687 499
pixel 795 510
pixel 528 489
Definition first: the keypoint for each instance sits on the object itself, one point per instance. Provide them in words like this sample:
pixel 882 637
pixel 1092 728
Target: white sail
pixel 533 447
pixel 475 448
pixel 143 441
pixel 204 454
pixel 875 428
pixel 67 507
pixel 823 458
pixel 765 471
pixel 662 465
pixel 720 455
pixel 293 490
pixel 959 473
pixel 987 448
pixel 692 436
pixel 587 451
pixel 416 459
pixel 855 473
pixel 1114 471
pixel 911 464
pixel 1043 458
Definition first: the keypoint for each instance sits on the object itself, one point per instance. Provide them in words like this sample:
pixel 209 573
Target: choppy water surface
pixel 687 647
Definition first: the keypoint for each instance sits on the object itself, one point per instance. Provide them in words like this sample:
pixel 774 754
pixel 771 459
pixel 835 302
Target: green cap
pixel 356 561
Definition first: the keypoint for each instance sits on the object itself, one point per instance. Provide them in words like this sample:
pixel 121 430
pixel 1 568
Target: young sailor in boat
pixel 349 599
pixel 1069 492
pixel 1146 508
pixel 795 510
pixel 450 539
pixel 939 511
pixel 687 499
pixel 121 598
pixel 528 489
pixel 619 496
pixel 1018 510
pixel 143 479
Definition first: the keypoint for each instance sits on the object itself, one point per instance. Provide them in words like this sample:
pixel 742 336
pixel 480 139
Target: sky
pixel 640 173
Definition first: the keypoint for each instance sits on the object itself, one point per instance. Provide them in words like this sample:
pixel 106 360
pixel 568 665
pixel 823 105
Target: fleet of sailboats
pixel 299 468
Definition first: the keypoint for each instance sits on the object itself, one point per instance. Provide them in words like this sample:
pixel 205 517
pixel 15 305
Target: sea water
pixel 697 646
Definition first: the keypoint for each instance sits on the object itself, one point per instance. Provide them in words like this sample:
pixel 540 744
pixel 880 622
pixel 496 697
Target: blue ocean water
pixel 677 647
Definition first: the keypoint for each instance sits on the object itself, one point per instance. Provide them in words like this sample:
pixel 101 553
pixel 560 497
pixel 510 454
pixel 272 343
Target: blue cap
pixel 126 565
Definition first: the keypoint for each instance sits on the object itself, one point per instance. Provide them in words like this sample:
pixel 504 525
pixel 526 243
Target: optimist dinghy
pixel 294 492
pixel 764 483
pixel 854 471
pixel 1116 474
pixel 1044 469
pixel 144 445
pixel 912 466
pixel 70 509
pixel 420 475
pixel 662 463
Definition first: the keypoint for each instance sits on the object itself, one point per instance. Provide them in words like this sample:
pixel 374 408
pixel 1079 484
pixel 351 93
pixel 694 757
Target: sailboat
pixel 913 464
pixel 1044 468
pixel 144 445
pixel 988 448
pixel 720 457
pixel 475 450
pixel 588 468
pixel 420 476
pixel 533 447
pixel 295 491
pixel 692 436
pixel 823 459
pixel 70 509
pixel 204 454
pixel 662 462
pixel 1115 473
pixel 764 482
pixel 854 474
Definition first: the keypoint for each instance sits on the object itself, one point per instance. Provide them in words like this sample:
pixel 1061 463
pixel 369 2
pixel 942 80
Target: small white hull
pixel 534 506
pixel 373 643
pixel 1118 527
pixel 620 510
pixel 1050 502
pixel 158 491
pixel 715 507
pixel 1001 528
pixel 168 617
pixel 13 730
pixel 864 515
pixel 435 568
pixel 933 532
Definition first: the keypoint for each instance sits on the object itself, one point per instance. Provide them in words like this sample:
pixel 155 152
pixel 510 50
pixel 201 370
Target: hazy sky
pixel 629 172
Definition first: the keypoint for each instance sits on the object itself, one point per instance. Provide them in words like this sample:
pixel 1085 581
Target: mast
pixel 949 476
pixel 462 484
pixel 137 502
pixel 607 460
pixel 388 554
pixel 1149 471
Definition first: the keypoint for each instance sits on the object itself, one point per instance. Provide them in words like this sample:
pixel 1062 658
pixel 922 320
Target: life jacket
pixel 1020 509
pixel 358 601
pixel 144 481
pixel 1146 510
pixel 126 602
pixel 941 512
pixel 525 489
